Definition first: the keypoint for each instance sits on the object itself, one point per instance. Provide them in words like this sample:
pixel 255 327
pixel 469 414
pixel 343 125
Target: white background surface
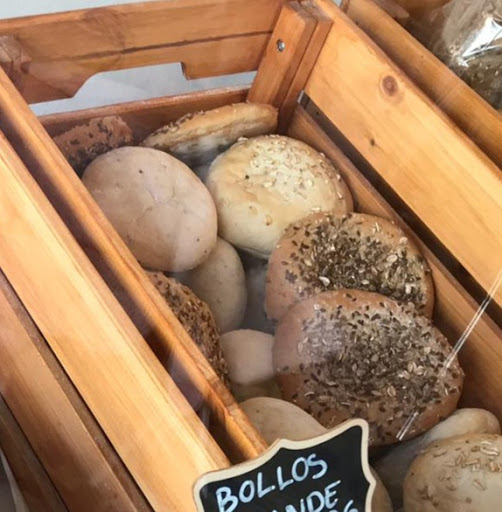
pixel 116 86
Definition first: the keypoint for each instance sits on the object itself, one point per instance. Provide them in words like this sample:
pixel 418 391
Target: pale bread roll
pixel 459 474
pixel 256 275
pixel 354 354
pixel 393 466
pixel 158 206
pixel 248 355
pixel 83 143
pixel 198 138
pixel 276 419
pixel 196 317
pixel 262 185
pixel 221 283
pixel 326 251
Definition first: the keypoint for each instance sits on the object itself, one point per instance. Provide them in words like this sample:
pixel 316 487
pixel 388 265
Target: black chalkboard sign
pixel 329 473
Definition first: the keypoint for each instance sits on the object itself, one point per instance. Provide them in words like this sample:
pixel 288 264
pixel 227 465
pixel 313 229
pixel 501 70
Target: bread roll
pixel 262 185
pixel 256 275
pixel 381 500
pixel 196 317
pixel 157 205
pixel 83 143
pixel 351 353
pixel 220 282
pixel 460 474
pixel 248 355
pixel 198 138
pixel 393 467
pixel 326 251
pixel 276 419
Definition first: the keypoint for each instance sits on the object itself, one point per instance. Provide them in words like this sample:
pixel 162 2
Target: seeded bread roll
pixel 460 474
pixel 197 139
pixel 220 282
pixel 393 466
pixel 158 206
pixel 262 185
pixel 83 143
pixel 248 355
pixel 351 353
pixel 196 317
pixel 326 251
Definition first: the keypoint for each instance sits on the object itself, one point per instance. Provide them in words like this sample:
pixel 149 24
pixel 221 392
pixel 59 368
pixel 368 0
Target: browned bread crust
pixel 350 353
pixel 83 143
pixel 196 318
pixel 326 251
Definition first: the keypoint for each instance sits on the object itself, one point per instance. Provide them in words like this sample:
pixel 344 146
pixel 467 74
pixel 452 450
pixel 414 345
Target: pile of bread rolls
pixel 310 313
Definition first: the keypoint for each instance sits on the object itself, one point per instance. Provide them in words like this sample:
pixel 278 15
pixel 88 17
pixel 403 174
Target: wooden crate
pixel 117 379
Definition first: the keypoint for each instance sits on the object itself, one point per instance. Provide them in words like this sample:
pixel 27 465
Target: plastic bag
pixel 467 36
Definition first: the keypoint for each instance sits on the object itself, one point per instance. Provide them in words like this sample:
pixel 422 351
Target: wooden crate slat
pixel 121 271
pixel 34 484
pixel 306 64
pixel 481 356
pixel 129 393
pixel 463 105
pixel 50 56
pixel 443 177
pixel 285 50
pixel 146 116
pixel 54 419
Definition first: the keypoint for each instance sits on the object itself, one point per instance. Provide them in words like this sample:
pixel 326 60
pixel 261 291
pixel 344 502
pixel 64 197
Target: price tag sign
pixel 329 473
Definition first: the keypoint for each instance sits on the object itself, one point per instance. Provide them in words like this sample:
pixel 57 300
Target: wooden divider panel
pixel 51 56
pixel 453 187
pixel 150 424
pixel 463 105
pixel 84 469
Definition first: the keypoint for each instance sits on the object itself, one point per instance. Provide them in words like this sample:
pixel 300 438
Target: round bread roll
pixel 249 358
pixel 157 205
pixel 196 317
pixel 326 251
pixel 83 143
pixel 276 419
pixel 381 500
pixel 350 353
pixel 256 275
pixel 393 466
pixel 198 138
pixel 262 185
pixel 220 282
pixel 460 474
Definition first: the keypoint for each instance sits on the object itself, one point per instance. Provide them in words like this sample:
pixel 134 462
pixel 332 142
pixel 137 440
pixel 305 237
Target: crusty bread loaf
pixel 220 282
pixel 460 474
pixel 83 143
pixel 393 466
pixel 326 251
pixel 248 355
pixel 196 317
pixel 197 138
pixel 262 185
pixel 350 353
pixel 158 206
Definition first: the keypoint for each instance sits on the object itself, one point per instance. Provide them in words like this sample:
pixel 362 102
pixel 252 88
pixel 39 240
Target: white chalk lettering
pixel 282 484
pixel 261 491
pixel 246 498
pixel 314 463
pixel 299 477
pixel 311 507
pixel 330 493
pixel 227 502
